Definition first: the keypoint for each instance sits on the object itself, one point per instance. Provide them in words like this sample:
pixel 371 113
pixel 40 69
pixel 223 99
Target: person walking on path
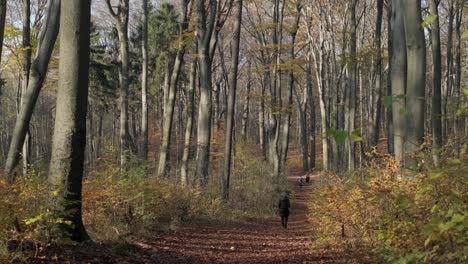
pixel 300 181
pixel 283 208
pixel 307 178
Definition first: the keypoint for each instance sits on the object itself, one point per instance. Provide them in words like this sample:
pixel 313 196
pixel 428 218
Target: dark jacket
pixel 283 206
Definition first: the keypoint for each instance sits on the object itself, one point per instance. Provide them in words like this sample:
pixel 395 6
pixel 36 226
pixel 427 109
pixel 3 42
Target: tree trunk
pixel 318 59
pixel 302 116
pixel 376 115
pixel 416 76
pixel 261 116
pixel 245 111
pixel 144 84
pixel 351 105
pixel 68 147
pixel 390 129
pixel 25 78
pixel 457 85
pixel 231 104
pixel 436 84
pixel 449 78
pixel 289 96
pixel 312 119
pixel 190 119
pixel 163 168
pixel 3 11
pixel 398 78
pixel 121 18
pixel 204 35
pixel 47 38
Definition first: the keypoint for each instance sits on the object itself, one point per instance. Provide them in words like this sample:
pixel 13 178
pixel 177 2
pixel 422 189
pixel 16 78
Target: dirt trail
pixel 244 243
pixel 235 243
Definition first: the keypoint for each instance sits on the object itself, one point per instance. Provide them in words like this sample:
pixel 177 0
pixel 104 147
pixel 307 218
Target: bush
pixel 398 216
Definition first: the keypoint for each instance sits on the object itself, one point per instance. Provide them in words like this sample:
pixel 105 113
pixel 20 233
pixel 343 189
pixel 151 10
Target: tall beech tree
pixel 436 82
pixel 398 79
pixel 3 12
pixel 231 104
pixel 144 82
pixel 121 16
pixel 171 93
pixel 27 51
pixel 69 140
pixel 38 71
pixel 416 76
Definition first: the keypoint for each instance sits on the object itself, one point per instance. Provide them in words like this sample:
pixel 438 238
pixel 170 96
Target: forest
pixel 190 131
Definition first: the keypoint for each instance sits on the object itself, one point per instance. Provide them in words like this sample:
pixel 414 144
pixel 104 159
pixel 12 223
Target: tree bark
pixel 121 18
pixel 47 38
pixel 68 147
pixel 190 119
pixel 449 78
pixel 231 104
pixel 27 51
pixel 3 11
pixel 416 76
pixel 171 97
pixel 302 116
pixel 398 78
pixel 204 31
pixel 351 104
pixel 289 96
pixel 436 83
pixel 390 129
pixel 376 115
pixel 144 84
pixel 312 118
pixel 457 85
pixel 246 110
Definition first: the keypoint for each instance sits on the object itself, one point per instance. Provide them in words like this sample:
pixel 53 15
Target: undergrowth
pixel 118 207
pixel 398 216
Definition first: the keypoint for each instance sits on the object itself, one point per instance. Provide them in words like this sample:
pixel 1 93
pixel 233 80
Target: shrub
pixel 399 216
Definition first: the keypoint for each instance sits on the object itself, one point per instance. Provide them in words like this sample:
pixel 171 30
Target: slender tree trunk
pixel 169 114
pixel 457 85
pixel 144 84
pixel 231 104
pixel 289 96
pixel 3 11
pixel 416 76
pixel 25 78
pixel 302 116
pixel 312 120
pixel 323 111
pixel 38 71
pixel 352 68
pixel 121 17
pixel 204 35
pixel 164 154
pixel 376 115
pixel 436 83
pixel 68 147
pixel 245 111
pixel 190 119
pixel 261 116
pixel 398 78
pixel 390 129
pixel 449 78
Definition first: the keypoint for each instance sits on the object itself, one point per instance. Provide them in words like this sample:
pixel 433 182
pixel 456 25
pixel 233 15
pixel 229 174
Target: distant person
pixel 283 208
pixel 307 178
pixel 300 181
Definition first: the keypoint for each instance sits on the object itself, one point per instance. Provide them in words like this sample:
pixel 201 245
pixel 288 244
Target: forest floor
pixel 255 242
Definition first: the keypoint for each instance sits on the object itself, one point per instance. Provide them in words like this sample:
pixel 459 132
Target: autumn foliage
pixel 398 216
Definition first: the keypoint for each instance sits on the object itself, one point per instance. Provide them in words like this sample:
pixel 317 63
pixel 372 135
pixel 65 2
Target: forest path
pixel 244 243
